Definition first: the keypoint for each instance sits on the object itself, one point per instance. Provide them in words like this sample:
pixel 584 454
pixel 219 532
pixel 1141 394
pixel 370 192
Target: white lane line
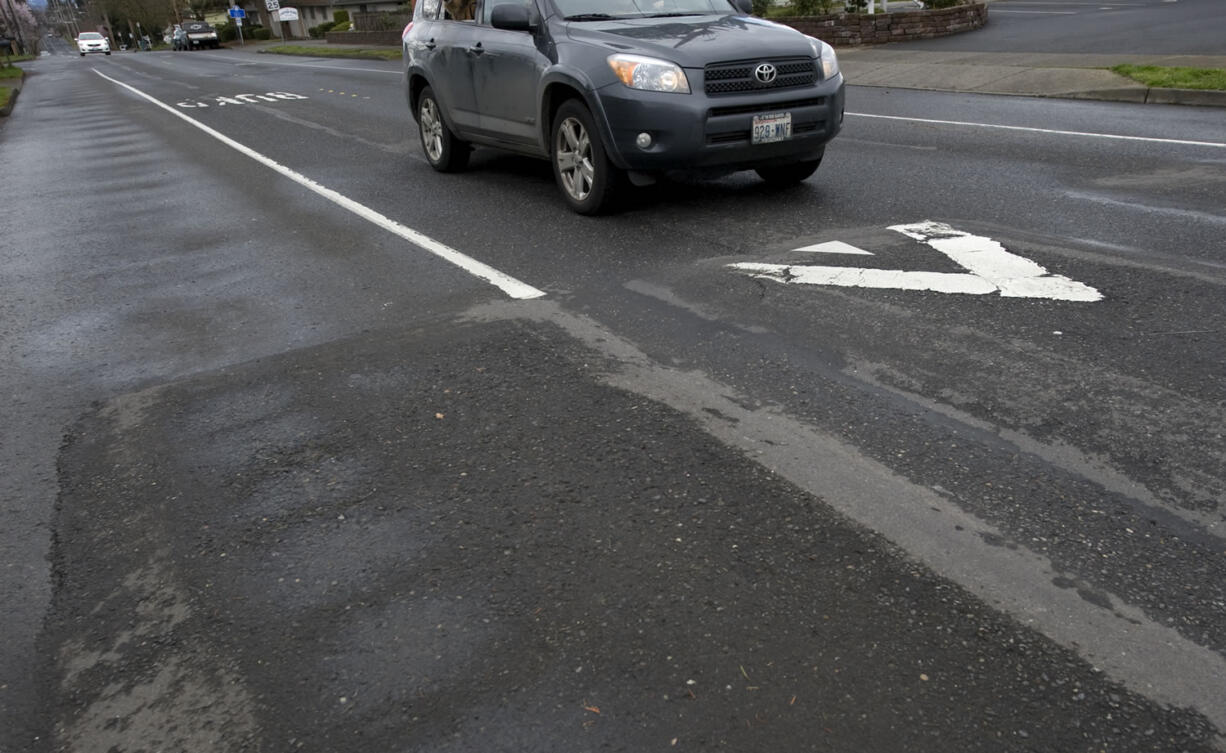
pixel 507 284
pixel 1052 131
pixel 1039 12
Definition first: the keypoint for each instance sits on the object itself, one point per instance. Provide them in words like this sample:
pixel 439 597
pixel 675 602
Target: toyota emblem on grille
pixel 765 73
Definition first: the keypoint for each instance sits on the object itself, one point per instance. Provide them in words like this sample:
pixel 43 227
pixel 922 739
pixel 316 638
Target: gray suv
pixel 617 92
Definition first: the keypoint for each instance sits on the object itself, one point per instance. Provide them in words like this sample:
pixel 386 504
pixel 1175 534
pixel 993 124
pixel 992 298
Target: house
pixel 316 12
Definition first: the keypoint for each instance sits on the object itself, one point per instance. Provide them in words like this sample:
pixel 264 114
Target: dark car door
pixel 441 45
pixel 507 69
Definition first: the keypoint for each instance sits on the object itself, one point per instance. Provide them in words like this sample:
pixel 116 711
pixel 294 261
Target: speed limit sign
pixel 272 5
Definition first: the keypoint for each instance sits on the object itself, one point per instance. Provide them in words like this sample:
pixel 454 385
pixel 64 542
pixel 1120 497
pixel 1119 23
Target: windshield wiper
pixel 591 17
pixel 671 15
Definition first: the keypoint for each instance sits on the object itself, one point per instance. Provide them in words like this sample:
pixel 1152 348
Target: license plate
pixel 775 126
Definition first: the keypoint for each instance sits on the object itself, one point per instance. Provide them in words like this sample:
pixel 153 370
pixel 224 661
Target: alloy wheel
pixel 573 154
pixel 431 129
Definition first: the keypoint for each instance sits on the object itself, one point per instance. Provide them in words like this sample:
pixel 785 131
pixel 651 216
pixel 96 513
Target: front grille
pixel 793 104
pixel 738 75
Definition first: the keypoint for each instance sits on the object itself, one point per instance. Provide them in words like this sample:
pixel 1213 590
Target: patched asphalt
pixel 460 538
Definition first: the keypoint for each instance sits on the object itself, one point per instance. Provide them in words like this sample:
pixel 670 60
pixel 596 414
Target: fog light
pixel 643 140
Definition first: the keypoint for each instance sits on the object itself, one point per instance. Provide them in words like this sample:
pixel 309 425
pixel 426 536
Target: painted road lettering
pixel 990 268
pixel 239 99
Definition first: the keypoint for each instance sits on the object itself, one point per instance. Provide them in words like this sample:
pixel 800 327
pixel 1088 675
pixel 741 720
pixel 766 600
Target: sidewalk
pixel 1027 74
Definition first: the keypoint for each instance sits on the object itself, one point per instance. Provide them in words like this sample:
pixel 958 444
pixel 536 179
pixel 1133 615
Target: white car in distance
pixel 92 41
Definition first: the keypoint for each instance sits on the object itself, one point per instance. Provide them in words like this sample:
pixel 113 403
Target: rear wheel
pixel 589 181
pixel 444 151
pixel 786 175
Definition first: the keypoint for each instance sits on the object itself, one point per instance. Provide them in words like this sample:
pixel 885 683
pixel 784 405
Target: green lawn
pixel 8 73
pixel 1174 78
pixel 371 53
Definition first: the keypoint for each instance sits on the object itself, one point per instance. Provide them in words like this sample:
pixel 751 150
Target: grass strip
pixel 5 95
pixel 1173 77
pixel 361 53
pixel 10 72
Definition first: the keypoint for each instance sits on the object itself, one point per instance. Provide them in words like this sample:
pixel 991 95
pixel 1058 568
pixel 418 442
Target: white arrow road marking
pixel 1016 276
pixel 990 269
pixel 854 277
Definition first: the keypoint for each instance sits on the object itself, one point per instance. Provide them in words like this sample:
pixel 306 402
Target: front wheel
pixel 589 181
pixel 444 151
pixel 786 175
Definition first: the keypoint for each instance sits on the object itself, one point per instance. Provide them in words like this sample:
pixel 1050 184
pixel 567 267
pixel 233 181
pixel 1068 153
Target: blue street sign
pixel 238 13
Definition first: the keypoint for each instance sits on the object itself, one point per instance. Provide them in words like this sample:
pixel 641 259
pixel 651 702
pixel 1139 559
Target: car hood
pixel 694 41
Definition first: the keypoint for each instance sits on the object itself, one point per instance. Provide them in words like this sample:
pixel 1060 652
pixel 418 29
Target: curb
pixel 1152 96
pixel 15 89
pixel 1131 95
pixel 1195 97
pixel 341 56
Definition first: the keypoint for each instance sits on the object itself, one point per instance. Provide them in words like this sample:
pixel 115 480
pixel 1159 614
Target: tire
pixel 443 150
pixel 589 182
pixel 108 52
pixel 82 54
pixel 787 175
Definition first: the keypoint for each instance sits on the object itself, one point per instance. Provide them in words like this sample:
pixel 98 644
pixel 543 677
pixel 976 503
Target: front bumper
pixel 701 131
pixel 93 48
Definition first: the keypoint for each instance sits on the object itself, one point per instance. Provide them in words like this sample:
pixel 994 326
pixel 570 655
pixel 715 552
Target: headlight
pixel 649 74
pixel 825 53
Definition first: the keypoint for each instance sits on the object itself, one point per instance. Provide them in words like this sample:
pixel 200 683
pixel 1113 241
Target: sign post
pixel 238 14
pixel 288 16
pixel 273 6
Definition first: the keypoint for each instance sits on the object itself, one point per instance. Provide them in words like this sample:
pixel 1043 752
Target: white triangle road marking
pixel 990 268
pixel 834 247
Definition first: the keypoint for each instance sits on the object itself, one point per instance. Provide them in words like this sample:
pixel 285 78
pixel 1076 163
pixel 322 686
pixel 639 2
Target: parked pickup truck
pixel 199 34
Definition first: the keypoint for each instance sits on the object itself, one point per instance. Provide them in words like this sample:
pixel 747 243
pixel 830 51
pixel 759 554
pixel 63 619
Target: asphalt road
pixel 305 485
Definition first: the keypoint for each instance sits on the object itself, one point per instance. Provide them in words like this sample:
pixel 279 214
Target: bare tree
pixel 18 23
pixel 200 8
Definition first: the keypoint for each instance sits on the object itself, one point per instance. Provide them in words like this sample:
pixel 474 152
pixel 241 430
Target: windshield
pixel 598 10
pixel 90 35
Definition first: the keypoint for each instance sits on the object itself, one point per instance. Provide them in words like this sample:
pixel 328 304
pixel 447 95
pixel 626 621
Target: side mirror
pixel 512 17
pixel 744 6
